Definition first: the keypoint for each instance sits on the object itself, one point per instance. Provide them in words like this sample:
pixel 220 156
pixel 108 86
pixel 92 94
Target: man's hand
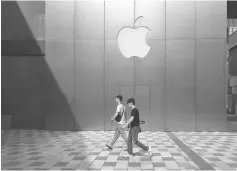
pixel 124 126
pixel 111 121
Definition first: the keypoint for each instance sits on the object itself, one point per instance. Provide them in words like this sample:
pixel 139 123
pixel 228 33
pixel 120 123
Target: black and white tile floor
pixel 64 150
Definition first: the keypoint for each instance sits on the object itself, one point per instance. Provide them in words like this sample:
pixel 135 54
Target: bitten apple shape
pixel 132 41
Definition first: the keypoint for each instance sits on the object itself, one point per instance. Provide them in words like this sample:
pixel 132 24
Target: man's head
pixel 131 102
pixel 119 98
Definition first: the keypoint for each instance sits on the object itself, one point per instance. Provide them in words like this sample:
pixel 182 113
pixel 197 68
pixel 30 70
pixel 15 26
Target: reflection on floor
pixel 55 150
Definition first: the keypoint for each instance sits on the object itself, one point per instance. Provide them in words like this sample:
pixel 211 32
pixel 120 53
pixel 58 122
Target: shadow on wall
pixel 30 92
pixel 32 95
pixel 17 38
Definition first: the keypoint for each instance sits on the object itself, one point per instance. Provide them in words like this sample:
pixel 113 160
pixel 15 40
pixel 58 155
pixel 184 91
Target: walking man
pixel 134 122
pixel 120 130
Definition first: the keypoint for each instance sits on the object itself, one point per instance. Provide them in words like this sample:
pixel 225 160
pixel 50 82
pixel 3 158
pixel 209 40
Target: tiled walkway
pixel 218 149
pixel 45 150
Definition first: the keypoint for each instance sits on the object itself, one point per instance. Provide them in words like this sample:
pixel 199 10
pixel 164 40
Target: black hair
pixel 131 100
pixel 119 97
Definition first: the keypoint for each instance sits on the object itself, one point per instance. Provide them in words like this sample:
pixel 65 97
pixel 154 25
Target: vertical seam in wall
pixel 195 66
pixel 45 56
pixel 45 40
pixel 134 77
pixel 165 98
pixel 74 73
pixel 104 71
pixel 150 101
pixel 134 62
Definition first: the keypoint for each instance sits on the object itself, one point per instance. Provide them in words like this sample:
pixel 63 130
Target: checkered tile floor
pixel 219 149
pixel 55 150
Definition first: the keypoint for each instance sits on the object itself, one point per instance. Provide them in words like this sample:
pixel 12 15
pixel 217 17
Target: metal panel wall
pixel 210 85
pixel 169 71
pixel 23 28
pixel 118 70
pixel 180 57
pixel 211 24
pixel 57 102
pixel 153 13
pixel 211 20
pixel 22 37
pixel 150 71
pixel 143 105
pixel 180 19
pixel 89 65
pixel 21 91
pixel 180 85
pixel 157 106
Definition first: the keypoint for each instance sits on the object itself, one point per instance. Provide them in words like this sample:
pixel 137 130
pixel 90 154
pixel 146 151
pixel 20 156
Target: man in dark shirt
pixel 134 122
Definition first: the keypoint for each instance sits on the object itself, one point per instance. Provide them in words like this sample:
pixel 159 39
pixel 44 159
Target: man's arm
pixel 130 120
pixel 115 115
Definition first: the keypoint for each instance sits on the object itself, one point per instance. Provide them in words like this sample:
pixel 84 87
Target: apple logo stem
pixel 132 40
pixel 134 24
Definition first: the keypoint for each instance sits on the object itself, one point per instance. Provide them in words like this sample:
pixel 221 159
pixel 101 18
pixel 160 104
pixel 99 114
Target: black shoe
pixel 109 147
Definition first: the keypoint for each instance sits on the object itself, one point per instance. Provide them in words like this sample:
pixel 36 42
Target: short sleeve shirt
pixel 136 120
pixel 121 110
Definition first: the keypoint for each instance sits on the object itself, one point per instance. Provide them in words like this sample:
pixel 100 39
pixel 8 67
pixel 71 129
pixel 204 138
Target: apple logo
pixel 132 41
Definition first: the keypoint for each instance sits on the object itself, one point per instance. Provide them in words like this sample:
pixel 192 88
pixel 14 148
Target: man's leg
pixel 135 139
pixel 123 134
pixel 129 143
pixel 116 136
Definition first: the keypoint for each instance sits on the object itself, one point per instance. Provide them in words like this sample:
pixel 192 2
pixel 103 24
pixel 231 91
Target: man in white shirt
pixel 121 110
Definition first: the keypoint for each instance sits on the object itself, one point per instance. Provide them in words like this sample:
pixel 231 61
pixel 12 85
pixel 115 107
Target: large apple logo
pixel 132 41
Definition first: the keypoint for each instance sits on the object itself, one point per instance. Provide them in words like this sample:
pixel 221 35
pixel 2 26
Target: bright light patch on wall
pixel 132 41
